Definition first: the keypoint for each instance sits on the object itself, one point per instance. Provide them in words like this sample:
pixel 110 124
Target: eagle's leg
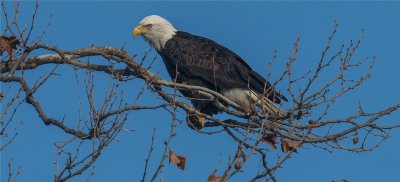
pixel 195 121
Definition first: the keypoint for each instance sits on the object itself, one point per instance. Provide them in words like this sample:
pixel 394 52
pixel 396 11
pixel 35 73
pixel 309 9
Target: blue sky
pixel 253 30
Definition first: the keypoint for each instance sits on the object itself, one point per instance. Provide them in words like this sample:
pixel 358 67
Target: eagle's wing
pixel 201 58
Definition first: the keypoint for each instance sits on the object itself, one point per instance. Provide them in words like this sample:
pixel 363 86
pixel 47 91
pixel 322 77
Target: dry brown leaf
pixel 355 140
pixel 238 165
pixel 179 160
pixel 213 178
pixel 4 46
pixel 312 122
pixel 239 152
pixel 288 145
pixel 8 44
pixel 284 146
pixel 294 144
pixel 270 139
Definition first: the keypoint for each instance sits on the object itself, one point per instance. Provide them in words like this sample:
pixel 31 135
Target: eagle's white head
pixel 156 30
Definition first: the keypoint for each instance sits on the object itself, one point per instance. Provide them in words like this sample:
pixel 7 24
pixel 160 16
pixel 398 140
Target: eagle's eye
pixel 148 26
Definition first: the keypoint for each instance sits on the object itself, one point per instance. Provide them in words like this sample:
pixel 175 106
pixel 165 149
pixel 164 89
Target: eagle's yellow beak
pixel 139 30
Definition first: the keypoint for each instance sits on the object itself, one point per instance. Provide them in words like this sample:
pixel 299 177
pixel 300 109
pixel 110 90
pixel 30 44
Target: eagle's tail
pixel 267 105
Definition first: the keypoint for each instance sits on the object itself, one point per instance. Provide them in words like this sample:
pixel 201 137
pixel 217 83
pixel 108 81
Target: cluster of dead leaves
pixel 180 161
pixel 286 145
pixel 8 44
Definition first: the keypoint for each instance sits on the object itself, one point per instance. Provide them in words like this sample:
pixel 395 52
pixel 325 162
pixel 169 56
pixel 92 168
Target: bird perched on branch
pixel 199 61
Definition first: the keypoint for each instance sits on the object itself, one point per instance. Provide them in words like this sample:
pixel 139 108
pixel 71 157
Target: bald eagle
pixel 199 61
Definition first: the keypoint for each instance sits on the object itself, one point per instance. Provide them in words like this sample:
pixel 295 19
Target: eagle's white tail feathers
pixel 267 105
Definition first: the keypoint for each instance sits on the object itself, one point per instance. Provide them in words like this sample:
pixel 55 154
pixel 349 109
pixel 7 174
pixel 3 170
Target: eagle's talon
pixel 195 121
